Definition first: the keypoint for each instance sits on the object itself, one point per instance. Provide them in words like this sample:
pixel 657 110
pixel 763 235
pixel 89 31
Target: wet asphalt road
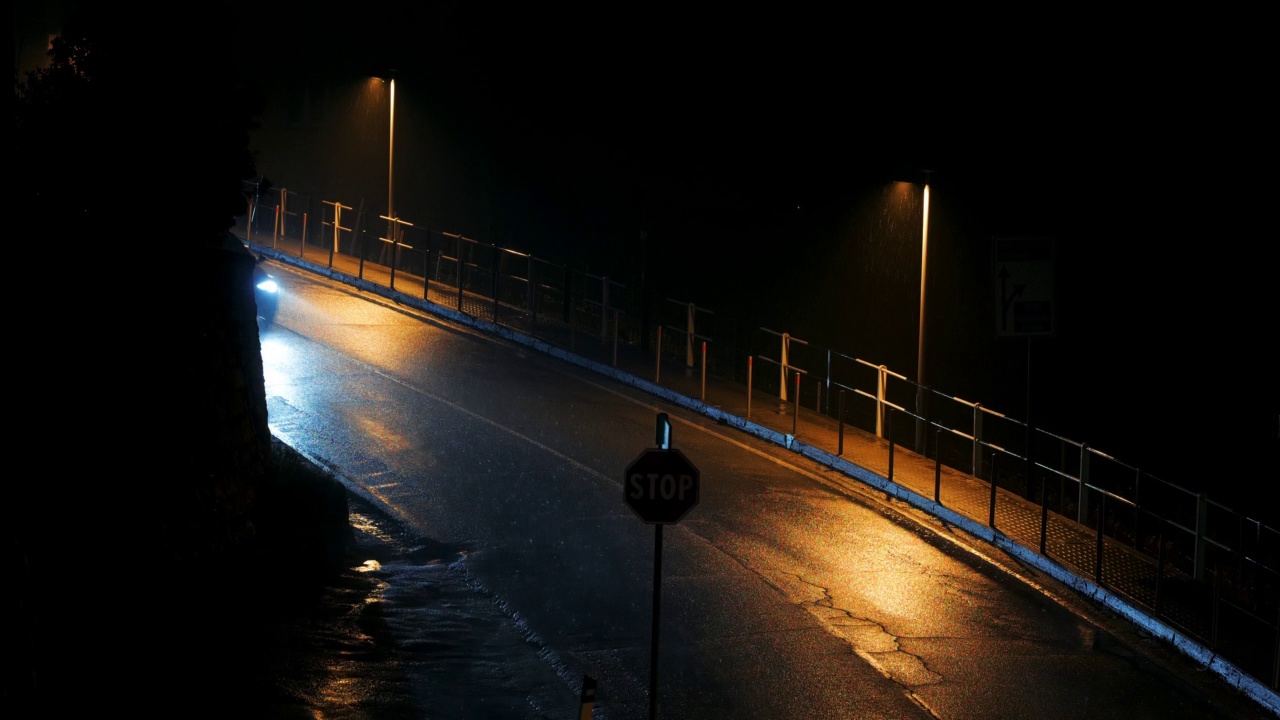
pixel 374 678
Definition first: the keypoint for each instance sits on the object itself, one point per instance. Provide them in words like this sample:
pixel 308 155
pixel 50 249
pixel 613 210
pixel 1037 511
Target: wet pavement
pixel 1057 546
pixel 454 654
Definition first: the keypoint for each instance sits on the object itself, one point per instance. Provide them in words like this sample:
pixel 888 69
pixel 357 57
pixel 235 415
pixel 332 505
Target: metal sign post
pixel 660 486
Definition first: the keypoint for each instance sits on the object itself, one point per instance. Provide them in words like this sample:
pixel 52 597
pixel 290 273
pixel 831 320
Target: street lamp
pixel 924 266
pixel 391 154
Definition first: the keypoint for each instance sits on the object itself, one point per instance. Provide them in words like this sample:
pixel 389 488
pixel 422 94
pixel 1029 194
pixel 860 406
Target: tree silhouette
pixel 132 117
pixel 142 381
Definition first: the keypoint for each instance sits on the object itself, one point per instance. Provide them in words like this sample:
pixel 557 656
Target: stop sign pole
pixel 660 486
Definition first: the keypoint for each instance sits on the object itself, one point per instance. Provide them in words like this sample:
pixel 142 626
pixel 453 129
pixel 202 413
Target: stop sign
pixel 661 486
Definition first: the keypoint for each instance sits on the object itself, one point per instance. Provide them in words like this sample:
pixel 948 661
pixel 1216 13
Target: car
pixel 266 294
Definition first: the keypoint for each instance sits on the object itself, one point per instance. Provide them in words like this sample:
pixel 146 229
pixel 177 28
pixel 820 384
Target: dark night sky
pixel 746 145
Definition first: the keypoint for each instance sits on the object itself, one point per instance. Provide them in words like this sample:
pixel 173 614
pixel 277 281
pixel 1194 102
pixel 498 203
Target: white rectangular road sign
pixel 1022 270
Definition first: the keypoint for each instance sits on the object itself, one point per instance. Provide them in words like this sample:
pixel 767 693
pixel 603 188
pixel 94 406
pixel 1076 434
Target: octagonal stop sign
pixel 661 486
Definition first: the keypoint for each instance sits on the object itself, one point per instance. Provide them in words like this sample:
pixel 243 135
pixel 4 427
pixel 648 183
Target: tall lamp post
pixel 391 154
pixel 924 266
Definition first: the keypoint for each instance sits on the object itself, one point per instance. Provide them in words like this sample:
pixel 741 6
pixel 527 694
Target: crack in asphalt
pixel 870 640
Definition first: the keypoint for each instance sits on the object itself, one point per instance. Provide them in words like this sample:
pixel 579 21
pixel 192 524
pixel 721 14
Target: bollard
pixel 587 699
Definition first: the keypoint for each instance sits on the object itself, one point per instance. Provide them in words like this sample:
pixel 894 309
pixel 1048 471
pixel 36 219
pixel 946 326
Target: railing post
pixel 1082 507
pixel 657 369
pixel 977 439
pixel 828 381
pixel 568 293
pixel 1044 512
pixel 426 270
pixel 890 433
pixel 991 511
pixel 937 468
pixel 881 410
pixel 358 240
pixel 795 407
pixel 1275 666
pixel 704 371
pixel 337 225
pixel 1160 568
pixel 497 261
pixel 690 311
pixel 750 367
pixel 395 252
pixel 615 337
pixel 1137 509
pixel 604 305
pixel 1217 592
pixel 331 249
pixel 1202 518
pixel 923 421
pixel 840 424
pixel 782 368
pixel 1102 523
pixel 533 297
pixel 461 269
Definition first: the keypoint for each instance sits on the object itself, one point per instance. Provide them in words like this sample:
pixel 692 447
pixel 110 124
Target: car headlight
pixel 268 286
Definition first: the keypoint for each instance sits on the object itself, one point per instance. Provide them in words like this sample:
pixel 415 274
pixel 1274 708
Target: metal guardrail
pixel 1208 569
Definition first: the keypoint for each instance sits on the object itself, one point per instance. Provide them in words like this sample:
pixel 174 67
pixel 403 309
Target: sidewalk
pixel 1099 567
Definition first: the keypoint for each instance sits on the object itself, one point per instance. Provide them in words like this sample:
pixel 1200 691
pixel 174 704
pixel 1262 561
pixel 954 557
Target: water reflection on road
pixel 406 632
